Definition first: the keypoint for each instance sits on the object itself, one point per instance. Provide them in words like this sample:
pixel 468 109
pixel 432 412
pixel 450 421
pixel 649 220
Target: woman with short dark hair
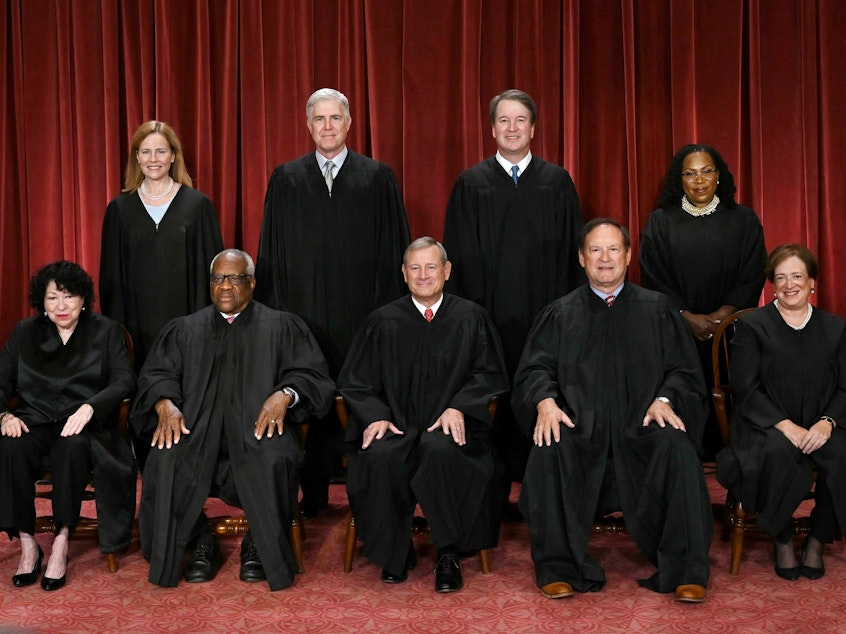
pixel 788 374
pixel 70 369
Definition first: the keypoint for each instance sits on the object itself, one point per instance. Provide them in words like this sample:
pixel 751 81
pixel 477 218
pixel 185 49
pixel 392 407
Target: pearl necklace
pixel 160 196
pixel 707 210
pixel 804 321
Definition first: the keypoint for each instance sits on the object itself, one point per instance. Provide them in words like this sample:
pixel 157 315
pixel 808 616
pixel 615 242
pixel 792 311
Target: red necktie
pixel 428 314
pixel 610 300
pixel 230 319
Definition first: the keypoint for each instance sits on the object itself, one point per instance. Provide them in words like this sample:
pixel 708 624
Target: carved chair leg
pixel 737 534
pixel 112 562
pixel 296 538
pixel 726 527
pixel 349 549
pixel 485 561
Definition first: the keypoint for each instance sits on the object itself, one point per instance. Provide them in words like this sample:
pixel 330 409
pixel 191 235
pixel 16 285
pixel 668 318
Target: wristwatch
pixel 291 393
pixel 664 400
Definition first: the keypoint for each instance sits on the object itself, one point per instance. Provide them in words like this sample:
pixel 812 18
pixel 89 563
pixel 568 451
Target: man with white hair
pixel 334 228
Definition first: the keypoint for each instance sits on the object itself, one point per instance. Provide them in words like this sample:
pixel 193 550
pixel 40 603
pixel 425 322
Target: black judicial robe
pixel 332 259
pixel 704 262
pixel 604 367
pixel 513 248
pixel 219 375
pixel 53 380
pixel 150 274
pixel 780 373
pixel 408 371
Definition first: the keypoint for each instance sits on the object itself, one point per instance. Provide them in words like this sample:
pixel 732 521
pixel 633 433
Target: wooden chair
pixel 419 524
pixel 87 526
pixel 736 520
pixel 237 525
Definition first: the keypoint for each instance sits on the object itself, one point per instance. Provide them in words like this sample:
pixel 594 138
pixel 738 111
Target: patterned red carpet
pixel 324 599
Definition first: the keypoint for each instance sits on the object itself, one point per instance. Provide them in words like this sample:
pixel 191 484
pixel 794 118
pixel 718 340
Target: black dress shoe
pixel 50 584
pixel 410 563
pixel 204 562
pixel 251 568
pixel 809 571
pixel 28 578
pixel 448 574
pixel 791 574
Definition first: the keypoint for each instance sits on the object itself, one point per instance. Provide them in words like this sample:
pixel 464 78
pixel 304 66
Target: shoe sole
pixel 689 600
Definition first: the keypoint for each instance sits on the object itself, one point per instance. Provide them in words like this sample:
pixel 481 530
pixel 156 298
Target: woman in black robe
pixel 788 369
pixel 703 250
pixel 70 370
pixel 159 238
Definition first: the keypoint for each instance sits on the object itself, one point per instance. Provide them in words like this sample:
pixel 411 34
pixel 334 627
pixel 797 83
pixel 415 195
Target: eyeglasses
pixel 236 279
pixel 706 174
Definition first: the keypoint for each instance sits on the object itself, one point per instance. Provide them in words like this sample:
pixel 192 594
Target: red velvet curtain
pixel 620 84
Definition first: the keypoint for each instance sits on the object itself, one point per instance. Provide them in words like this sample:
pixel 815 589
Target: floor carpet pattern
pixel 325 599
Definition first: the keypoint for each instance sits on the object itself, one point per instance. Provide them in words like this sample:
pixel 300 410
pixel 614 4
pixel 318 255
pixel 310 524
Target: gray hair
pixel 327 94
pixel 424 243
pixel 251 267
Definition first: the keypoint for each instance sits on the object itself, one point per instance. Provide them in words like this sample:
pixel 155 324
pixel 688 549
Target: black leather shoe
pixel 808 571
pixel 203 563
pixel 251 568
pixel 28 578
pixel 50 584
pixel 448 574
pixel 410 563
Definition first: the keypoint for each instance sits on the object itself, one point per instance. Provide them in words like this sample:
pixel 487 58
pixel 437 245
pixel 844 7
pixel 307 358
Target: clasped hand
pixel 806 440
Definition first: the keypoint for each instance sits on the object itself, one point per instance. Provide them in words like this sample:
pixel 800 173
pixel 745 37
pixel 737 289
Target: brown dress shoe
pixel 557 590
pixel 690 593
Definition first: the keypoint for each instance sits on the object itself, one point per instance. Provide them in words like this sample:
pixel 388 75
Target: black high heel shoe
pixel 49 584
pixel 809 571
pixel 27 579
pixel 791 574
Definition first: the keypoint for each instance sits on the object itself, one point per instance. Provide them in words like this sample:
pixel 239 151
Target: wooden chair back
pixel 721 393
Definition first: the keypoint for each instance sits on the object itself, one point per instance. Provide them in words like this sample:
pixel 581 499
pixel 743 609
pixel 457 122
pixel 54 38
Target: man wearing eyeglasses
pixel 223 390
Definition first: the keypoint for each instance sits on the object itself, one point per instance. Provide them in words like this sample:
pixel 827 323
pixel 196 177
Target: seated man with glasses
pixel 218 391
